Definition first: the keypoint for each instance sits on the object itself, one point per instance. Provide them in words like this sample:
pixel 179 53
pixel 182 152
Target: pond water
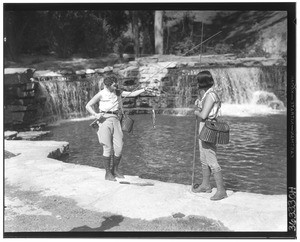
pixel 255 160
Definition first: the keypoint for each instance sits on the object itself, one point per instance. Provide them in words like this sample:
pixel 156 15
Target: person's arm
pixel 133 94
pixel 208 105
pixel 93 101
pixel 136 93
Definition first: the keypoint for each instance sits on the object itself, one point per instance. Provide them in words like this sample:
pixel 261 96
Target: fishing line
pixel 120 101
pixel 201 43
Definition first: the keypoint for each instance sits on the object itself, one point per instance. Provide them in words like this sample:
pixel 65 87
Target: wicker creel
pixel 215 132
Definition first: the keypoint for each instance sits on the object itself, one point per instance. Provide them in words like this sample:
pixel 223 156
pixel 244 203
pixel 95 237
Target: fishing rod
pixel 196 123
pixel 201 43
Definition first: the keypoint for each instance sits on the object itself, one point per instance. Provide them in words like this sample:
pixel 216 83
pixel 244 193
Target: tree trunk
pixel 135 27
pixel 10 43
pixel 158 32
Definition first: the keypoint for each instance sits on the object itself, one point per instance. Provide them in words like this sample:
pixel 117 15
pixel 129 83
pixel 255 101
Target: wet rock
pixel 32 135
pixel 133 63
pixel 100 70
pixel 116 70
pixel 131 71
pixel 9 135
pixel 8 71
pixel 80 72
pixel 90 71
pixel 191 64
pixel 118 65
pixel 44 73
pixel 108 69
pixel 60 152
pixel 67 72
pixel 17 75
pixel 37 127
pixel 172 65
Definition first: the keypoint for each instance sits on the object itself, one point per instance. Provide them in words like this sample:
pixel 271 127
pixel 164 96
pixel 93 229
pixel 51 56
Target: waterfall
pixel 251 91
pixel 67 99
pixel 243 91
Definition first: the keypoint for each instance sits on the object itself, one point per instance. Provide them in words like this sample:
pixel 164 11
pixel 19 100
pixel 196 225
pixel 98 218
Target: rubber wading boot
pixel 221 192
pixel 115 167
pixel 205 185
pixel 108 175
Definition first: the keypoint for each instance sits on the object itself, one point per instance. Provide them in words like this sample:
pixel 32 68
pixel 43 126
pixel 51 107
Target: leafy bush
pixel 123 45
pixel 222 48
pixel 183 47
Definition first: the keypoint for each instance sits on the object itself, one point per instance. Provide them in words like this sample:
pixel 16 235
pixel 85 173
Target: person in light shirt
pixel 210 106
pixel 110 134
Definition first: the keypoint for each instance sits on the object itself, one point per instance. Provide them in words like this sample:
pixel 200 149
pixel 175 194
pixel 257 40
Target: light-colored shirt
pixel 215 111
pixel 108 101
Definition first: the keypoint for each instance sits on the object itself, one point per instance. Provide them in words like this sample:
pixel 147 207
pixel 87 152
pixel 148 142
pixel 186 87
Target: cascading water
pixel 67 99
pixel 243 91
pixel 236 85
pixel 249 91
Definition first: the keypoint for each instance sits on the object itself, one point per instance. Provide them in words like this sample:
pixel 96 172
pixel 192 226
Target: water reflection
pixel 253 161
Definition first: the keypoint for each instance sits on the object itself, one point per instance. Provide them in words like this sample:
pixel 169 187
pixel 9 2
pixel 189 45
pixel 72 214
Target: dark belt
pixel 110 112
pixel 208 119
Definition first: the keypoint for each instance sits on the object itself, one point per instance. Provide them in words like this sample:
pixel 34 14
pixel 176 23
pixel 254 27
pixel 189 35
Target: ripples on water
pixel 253 161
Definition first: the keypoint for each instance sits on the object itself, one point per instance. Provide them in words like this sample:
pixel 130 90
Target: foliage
pixel 147 31
pixel 88 32
pixel 183 47
pixel 94 37
pixel 92 33
pixel 64 31
pixel 256 51
pixel 17 33
pixel 220 48
pixel 116 22
pixel 179 38
pixel 123 45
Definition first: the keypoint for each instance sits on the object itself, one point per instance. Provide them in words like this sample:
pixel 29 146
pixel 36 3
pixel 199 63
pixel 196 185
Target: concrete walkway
pixel 33 170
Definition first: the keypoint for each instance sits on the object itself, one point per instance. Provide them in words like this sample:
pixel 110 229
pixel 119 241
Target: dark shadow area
pixel 108 223
pixel 8 154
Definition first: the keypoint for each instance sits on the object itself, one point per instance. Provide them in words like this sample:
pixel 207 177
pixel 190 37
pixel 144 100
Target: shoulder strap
pixel 217 100
pixel 214 96
pixel 120 100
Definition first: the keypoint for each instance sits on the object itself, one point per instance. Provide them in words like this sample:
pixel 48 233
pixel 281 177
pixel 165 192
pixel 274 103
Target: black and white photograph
pixel 149 120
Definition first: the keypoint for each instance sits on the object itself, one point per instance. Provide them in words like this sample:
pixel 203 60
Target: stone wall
pixel 35 97
pixel 20 103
